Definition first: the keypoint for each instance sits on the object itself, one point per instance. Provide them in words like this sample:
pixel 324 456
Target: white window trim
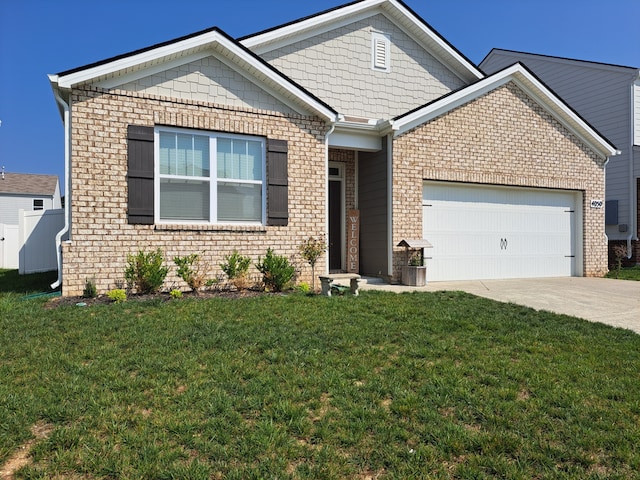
pixel 212 179
pixel 380 40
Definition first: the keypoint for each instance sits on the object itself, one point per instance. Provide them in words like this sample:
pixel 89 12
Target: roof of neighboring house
pixel 28 184
pixel 585 63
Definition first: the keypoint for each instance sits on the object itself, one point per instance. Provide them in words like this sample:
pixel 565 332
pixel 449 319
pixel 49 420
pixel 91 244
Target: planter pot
pixel 414 276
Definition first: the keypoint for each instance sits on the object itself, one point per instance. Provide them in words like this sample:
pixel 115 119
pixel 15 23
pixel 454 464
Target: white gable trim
pixel 179 52
pixel 526 81
pixel 336 18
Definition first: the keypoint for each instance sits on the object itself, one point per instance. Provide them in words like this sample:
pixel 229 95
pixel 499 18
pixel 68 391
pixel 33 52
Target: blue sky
pixel 39 37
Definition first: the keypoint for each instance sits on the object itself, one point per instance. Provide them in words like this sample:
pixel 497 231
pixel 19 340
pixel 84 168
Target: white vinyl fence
pixel 9 246
pixel 37 240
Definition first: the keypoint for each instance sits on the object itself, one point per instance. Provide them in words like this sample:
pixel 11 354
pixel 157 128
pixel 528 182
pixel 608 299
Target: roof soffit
pixel 395 11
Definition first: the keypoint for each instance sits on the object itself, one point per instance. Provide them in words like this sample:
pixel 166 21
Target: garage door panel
pixel 480 232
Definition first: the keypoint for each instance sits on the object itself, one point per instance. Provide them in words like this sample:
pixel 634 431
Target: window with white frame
pixel 206 177
pixel 38 204
pixel 380 52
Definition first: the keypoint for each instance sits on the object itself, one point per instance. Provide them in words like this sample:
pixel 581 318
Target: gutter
pixel 66 116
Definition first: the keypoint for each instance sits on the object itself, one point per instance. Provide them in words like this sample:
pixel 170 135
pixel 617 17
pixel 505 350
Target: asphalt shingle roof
pixel 27 183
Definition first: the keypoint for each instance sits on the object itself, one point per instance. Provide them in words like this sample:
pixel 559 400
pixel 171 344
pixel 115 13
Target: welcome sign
pixel 353 241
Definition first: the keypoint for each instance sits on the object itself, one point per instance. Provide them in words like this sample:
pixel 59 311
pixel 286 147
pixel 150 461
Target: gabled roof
pixel 123 68
pixel 396 10
pixel 527 81
pixel 28 184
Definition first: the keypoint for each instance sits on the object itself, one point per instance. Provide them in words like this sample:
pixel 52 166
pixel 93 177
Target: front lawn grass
pixel 11 281
pixel 626 273
pixel 424 385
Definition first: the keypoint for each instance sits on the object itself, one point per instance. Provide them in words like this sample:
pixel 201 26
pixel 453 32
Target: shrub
pixel 192 270
pixel 90 289
pixel 311 250
pixel 175 293
pixel 236 267
pixel 277 272
pixel 303 287
pixel 620 253
pixel 145 271
pixel 118 295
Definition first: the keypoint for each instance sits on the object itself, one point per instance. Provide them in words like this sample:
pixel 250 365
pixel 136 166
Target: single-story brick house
pixel 207 144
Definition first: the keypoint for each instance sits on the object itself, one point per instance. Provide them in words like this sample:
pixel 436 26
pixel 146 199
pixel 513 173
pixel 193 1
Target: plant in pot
pixel 415 273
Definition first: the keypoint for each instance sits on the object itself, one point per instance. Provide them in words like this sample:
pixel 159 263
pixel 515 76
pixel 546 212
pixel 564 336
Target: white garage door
pixel 481 232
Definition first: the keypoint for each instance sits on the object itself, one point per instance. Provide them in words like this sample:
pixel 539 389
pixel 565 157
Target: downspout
pixel 390 137
pixel 67 184
pixel 326 188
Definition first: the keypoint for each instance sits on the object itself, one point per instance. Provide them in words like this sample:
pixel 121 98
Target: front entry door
pixel 335 230
pixel 336 215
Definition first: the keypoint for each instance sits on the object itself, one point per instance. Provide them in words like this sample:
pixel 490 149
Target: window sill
pixel 176 227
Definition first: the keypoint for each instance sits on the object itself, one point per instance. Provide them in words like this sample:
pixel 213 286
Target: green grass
pixel 10 281
pixel 627 273
pixel 440 385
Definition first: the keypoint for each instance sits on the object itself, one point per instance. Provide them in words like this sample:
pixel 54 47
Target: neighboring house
pixel 22 191
pixel 208 144
pixel 608 97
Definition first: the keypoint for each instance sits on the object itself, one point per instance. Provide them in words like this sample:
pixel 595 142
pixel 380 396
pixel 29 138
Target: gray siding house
pixel 608 97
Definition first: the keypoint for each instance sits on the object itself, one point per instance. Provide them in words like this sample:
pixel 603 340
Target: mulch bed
pixel 161 296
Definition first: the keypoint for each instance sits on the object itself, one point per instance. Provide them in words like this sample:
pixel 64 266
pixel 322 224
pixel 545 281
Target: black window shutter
pixel 140 175
pixel 277 183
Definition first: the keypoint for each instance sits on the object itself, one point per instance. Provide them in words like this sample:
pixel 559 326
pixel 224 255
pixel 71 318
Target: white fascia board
pixel 133 61
pixel 357 135
pixel 208 41
pixel 354 140
pixel 521 77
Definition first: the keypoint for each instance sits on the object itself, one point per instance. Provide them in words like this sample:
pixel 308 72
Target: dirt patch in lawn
pixel 20 458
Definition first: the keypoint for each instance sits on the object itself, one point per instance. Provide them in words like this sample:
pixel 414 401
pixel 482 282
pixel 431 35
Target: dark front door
pixel 335 225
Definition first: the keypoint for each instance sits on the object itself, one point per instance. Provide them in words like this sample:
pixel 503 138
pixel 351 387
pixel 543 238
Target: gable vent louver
pixel 380 54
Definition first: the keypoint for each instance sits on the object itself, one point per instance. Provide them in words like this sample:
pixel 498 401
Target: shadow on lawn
pixel 12 282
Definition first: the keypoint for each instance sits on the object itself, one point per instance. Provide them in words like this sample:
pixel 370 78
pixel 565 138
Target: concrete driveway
pixel 613 302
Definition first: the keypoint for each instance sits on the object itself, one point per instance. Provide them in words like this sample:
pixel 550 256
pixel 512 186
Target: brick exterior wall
pixel 101 238
pixel 501 138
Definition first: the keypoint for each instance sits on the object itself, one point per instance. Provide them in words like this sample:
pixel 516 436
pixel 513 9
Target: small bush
pixel 236 267
pixel 175 293
pixel 277 272
pixel 118 295
pixel 192 270
pixel 620 253
pixel 145 271
pixel 311 250
pixel 303 287
pixel 90 289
